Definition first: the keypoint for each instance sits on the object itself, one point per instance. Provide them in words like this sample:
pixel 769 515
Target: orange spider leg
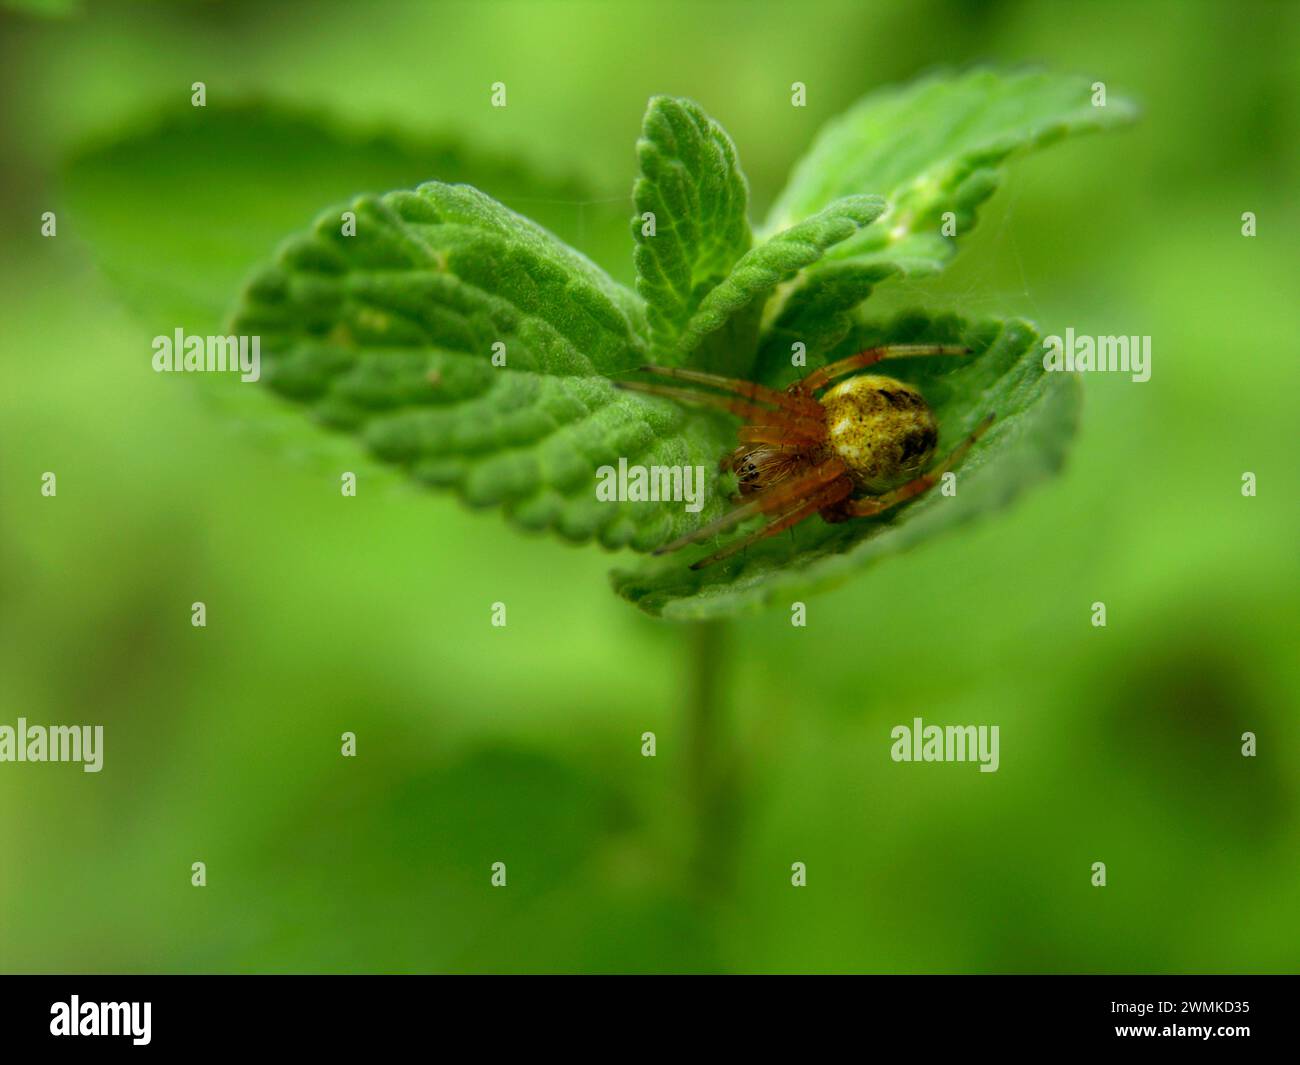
pixel 828 373
pixel 776 434
pixel 838 489
pixel 864 508
pixel 785 401
pixel 742 408
pixel 771 501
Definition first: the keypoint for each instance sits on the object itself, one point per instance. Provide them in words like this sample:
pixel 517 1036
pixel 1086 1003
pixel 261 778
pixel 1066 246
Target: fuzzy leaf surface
pixel 390 334
pixel 692 185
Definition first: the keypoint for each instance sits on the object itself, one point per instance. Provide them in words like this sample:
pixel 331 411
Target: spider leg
pixel 830 494
pixel 828 373
pixel 785 401
pixel 864 508
pixel 778 435
pixel 751 412
pixel 775 499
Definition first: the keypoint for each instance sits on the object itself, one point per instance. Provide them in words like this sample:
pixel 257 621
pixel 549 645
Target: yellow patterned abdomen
pixel 882 429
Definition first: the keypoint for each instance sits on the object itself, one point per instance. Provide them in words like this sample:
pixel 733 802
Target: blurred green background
pixel 479 744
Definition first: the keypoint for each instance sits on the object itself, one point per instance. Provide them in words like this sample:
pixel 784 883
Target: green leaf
pixel 219 187
pixel 818 314
pixel 737 302
pixel 390 334
pixel 934 146
pixel 928 148
pixel 1036 416
pixel 692 184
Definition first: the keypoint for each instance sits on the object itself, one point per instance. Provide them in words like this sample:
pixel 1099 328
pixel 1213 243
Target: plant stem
pixel 710 758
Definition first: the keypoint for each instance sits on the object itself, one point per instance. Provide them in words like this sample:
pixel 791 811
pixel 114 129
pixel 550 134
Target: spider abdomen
pixel 882 430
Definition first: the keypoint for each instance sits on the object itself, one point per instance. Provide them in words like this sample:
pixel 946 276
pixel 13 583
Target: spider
pixel 853 452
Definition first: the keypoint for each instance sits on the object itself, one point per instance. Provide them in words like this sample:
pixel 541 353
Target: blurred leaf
pixel 423 838
pixel 743 292
pixel 180 211
pixel 44 8
pixel 691 182
pixel 391 334
pixel 1036 416
pixel 931 147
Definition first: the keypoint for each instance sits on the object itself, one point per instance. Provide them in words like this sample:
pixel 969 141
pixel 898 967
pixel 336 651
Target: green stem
pixel 710 758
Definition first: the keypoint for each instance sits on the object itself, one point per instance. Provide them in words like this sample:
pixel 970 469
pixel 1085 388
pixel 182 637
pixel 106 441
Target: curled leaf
pixel 1036 415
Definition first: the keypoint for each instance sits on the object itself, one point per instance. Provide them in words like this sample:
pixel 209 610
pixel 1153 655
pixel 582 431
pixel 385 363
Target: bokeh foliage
pixel 522 744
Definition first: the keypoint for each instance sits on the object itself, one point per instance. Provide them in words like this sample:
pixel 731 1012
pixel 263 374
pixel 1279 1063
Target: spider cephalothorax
pixel 861 447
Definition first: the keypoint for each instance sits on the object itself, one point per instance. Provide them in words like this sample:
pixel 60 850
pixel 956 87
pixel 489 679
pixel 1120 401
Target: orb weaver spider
pixel 853 452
